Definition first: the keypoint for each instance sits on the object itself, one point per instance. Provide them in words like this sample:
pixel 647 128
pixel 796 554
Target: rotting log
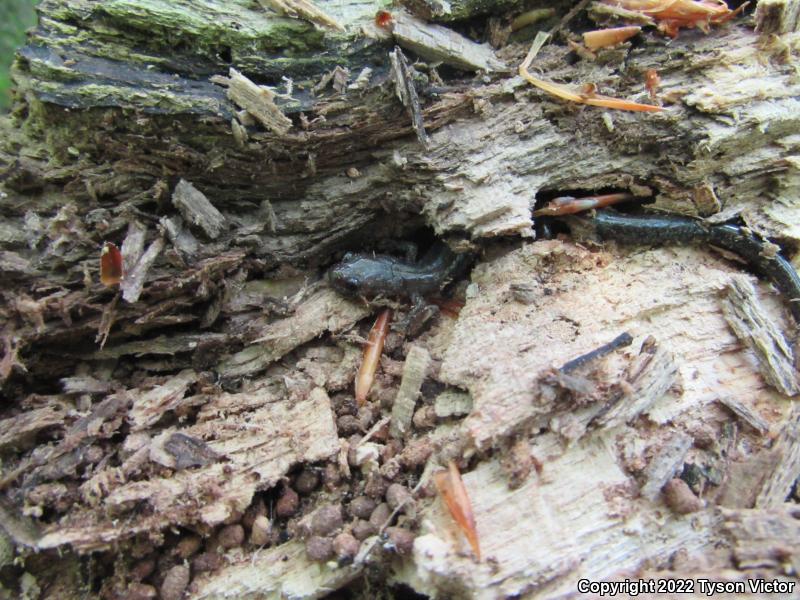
pixel 232 151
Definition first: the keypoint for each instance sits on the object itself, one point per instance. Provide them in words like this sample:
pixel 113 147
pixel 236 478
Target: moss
pixel 210 25
pixel 15 17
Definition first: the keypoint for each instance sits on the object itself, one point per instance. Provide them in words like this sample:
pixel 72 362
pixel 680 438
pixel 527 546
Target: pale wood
pixel 197 210
pixel 414 372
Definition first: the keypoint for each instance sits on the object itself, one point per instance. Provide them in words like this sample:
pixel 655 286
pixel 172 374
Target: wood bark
pixel 233 150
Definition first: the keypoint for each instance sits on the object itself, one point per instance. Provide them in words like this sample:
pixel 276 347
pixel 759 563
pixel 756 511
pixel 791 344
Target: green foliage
pixel 15 17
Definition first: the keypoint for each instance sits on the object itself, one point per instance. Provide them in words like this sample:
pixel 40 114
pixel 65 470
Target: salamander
pixel 381 275
pixel 630 229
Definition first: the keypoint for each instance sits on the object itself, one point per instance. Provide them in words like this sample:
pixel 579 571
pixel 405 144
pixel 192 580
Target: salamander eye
pixel 350 284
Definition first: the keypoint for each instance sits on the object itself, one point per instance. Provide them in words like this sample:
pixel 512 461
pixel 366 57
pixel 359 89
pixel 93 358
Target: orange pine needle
pixel 567 205
pixel 565 93
pixel 372 356
pixel 602 38
pixel 110 265
pixel 451 489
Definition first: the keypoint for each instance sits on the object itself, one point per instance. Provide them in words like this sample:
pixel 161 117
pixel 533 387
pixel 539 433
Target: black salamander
pixel 611 225
pixel 381 275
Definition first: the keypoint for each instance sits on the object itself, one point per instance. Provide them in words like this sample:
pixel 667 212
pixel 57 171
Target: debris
pixel 414 370
pixel 680 498
pixel 621 341
pixel 603 38
pixel 454 494
pixel 197 210
pixel 671 15
pixel 745 413
pixel 757 331
pixel 667 460
pixel 452 403
pixel 786 468
pixel 651 83
pixel 567 93
pixel 777 16
pixel 530 17
pixel 303 9
pixel 439 44
pixel 372 355
pixel 407 93
pixel 258 100
pixel 649 377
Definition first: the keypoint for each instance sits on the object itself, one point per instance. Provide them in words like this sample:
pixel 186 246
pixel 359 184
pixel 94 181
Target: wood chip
pixel 750 323
pixel 197 209
pixel 777 16
pixel 778 484
pixel 323 311
pixel 182 239
pixel 407 93
pixel 148 407
pixel 132 282
pixel 650 376
pixel 439 44
pixel 414 369
pixel 745 413
pixel 667 461
pixel 259 101
pixel 18 431
pixel 303 9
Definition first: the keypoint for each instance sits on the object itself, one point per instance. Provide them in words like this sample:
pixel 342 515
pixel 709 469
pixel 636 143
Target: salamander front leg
pixel 419 318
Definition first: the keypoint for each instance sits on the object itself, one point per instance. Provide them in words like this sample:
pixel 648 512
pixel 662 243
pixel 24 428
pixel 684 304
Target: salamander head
pixel 359 276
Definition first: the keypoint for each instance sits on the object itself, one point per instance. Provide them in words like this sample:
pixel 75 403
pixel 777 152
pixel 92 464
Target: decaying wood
pixel 666 462
pixel 414 372
pixel 283 572
pixel 218 419
pixel 439 44
pixel 258 101
pixel 650 377
pixel 197 210
pixel 745 413
pixel 765 537
pixel 777 16
pixel 761 335
pixel 254 445
pixel 786 469
pixel 303 9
